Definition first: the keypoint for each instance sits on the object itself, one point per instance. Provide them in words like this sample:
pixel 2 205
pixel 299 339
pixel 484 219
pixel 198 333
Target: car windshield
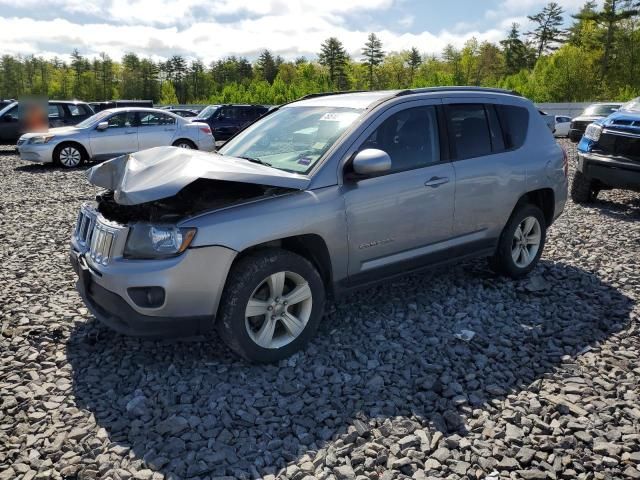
pixel 292 138
pixel 632 106
pixel 207 112
pixel 604 110
pixel 93 119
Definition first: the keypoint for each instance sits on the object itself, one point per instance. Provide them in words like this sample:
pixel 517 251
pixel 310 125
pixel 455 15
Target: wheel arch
pixel 543 198
pixel 309 246
pixel 184 139
pixel 83 150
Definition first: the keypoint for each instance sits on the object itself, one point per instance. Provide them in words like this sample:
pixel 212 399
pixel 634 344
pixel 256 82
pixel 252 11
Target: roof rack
pixel 326 94
pixel 457 88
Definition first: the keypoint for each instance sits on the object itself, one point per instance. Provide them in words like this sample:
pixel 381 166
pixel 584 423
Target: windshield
pixel 292 138
pixel 207 112
pixel 93 119
pixel 604 110
pixel 632 106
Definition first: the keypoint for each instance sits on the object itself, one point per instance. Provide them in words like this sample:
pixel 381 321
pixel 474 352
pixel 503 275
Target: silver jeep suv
pixel 318 197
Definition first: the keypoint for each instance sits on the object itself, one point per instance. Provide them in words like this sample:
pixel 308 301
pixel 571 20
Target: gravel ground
pixel 547 388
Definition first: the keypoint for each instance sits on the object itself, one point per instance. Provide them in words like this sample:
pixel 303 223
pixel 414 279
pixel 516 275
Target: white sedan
pixel 114 132
pixel 562 126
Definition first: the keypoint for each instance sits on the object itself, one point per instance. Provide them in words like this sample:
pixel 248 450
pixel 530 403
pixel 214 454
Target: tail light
pixel 206 129
pixel 565 162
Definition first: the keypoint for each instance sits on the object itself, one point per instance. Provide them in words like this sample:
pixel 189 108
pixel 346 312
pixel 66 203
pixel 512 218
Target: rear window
pixel 515 123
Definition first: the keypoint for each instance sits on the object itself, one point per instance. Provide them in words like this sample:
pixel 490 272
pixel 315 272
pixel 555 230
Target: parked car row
pixel 372 184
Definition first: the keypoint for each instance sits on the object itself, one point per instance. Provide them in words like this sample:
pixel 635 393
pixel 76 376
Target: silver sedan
pixel 114 132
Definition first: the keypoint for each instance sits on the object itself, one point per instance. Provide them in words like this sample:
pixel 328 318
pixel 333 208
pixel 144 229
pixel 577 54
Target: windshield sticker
pixel 342 117
pixel 304 161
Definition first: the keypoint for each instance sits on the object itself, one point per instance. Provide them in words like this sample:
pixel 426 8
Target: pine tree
pixel 267 66
pixel 373 55
pixel 515 51
pixel 333 56
pixel 414 60
pixel 548 32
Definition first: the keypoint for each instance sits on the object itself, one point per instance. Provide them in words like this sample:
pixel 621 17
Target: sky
pixel 212 29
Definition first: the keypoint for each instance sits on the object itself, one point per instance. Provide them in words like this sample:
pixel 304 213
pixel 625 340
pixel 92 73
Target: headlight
pixel 157 241
pixel 41 139
pixel 593 132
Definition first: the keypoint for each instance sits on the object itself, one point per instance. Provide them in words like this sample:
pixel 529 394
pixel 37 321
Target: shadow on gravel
pixel 628 210
pixel 387 356
pixel 48 167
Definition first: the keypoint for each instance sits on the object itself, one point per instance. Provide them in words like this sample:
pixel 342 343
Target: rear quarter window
pixel 515 124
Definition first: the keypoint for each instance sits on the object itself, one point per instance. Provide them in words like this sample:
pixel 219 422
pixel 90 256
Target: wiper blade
pixel 255 160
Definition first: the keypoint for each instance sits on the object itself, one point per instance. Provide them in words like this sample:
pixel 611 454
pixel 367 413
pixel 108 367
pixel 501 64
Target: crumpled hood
pixel 162 172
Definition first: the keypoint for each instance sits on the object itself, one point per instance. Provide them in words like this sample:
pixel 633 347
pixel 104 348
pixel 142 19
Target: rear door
pixel 227 122
pixel 489 174
pixel 155 130
pixel 119 138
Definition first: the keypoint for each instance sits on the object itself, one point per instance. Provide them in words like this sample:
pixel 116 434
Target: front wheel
pixel 582 190
pixel 271 306
pixel 68 156
pixel 521 243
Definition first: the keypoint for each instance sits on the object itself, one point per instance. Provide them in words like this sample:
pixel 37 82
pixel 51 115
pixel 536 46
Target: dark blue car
pixel 609 154
pixel 226 120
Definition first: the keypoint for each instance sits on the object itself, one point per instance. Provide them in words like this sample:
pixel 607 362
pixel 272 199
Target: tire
pixel 269 337
pixel 582 190
pixel 184 143
pixel 69 155
pixel 503 261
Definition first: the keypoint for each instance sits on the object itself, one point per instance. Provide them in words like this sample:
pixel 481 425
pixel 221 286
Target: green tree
pixel 168 94
pixel 267 66
pixel 414 60
pixel 548 32
pixel 373 55
pixel 514 50
pixel 334 57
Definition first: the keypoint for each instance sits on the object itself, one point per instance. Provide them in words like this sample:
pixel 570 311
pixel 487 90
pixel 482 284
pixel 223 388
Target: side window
pixel 121 120
pixel 469 130
pixel 515 123
pixel 229 113
pixel 77 110
pixel 156 119
pixel 410 137
pixel 55 111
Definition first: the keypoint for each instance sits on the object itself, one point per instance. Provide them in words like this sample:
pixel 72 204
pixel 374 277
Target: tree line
pixel 596 57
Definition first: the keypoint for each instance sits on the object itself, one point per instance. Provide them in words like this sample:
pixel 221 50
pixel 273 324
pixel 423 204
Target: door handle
pixel 435 182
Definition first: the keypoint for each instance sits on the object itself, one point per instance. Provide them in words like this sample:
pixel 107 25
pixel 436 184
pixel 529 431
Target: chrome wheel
pixel 70 157
pixel 526 242
pixel 278 310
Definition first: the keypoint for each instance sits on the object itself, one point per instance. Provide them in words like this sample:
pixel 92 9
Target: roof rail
pixel 457 88
pixel 326 94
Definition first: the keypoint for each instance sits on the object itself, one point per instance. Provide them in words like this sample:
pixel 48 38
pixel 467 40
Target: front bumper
pixel 40 153
pixel 192 282
pixel 613 172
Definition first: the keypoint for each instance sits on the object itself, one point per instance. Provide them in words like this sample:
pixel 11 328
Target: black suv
pixel 226 120
pixel 61 114
pixel 99 106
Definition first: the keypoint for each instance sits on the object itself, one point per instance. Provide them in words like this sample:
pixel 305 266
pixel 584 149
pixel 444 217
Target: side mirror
pixel 220 116
pixel 371 161
pixel 102 126
pixel 8 118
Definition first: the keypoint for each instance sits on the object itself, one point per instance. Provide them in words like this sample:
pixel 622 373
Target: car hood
pixel 628 122
pixel 162 172
pixel 61 131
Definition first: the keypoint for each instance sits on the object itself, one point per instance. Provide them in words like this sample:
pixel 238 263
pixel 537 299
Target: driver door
pixel 399 219
pixel 119 138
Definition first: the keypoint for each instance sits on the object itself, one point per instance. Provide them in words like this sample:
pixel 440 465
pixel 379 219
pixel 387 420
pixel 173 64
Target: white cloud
pixel 528 7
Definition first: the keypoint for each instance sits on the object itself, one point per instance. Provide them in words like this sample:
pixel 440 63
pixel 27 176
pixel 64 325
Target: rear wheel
pixel 68 155
pixel 521 243
pixel 271 306
pixel 582 189
pixel 184 143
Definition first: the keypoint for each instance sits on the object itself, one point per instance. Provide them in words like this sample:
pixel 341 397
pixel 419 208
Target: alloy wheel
pixel 70 157
pixel 278 310
pixel 526 242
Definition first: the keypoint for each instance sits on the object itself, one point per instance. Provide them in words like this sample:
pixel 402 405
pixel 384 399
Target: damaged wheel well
pixel 310 246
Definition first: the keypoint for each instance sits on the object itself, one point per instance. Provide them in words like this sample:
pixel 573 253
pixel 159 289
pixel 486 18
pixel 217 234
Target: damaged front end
pixel 200 196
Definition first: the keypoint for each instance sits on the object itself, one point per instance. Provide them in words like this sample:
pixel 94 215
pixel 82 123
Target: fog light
pixel 147 297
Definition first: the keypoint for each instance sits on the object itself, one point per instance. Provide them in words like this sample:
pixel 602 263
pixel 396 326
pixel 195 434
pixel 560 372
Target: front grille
pixel 582 126
pixel 97 236
pixel 618 145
